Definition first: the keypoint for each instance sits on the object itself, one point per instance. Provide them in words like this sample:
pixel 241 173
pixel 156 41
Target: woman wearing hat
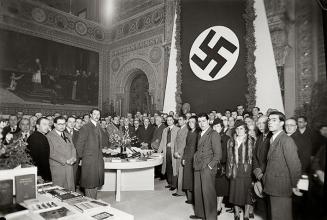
pixel 239 169
pixel 222 182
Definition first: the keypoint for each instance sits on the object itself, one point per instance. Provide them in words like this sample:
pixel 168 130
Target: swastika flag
pixel 213 54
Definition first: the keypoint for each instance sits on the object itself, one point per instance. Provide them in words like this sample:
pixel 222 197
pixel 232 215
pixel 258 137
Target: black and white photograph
pixel 163 109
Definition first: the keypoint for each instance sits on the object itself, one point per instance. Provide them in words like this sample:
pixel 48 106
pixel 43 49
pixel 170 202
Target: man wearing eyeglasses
pixel 304 151
pixel 62 155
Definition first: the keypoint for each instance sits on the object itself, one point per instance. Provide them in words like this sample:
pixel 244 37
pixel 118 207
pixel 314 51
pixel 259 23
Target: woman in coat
pixel 222 182
pixel 187 160
pixel 239 169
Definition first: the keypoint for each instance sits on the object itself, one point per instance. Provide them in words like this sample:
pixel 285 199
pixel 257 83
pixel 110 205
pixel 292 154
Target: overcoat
pixel 90 142
pixel 163 148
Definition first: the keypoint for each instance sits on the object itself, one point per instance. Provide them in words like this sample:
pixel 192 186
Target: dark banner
pixel 213 54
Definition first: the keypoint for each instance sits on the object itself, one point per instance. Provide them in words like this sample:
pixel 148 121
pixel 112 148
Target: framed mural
pixel 39 70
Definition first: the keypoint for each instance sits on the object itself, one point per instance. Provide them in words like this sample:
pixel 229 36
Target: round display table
pixel 135 175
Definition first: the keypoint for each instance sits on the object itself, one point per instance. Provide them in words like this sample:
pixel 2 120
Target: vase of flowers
pixel 14 154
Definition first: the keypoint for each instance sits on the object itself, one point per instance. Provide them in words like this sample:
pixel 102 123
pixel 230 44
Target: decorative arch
pixel 124 77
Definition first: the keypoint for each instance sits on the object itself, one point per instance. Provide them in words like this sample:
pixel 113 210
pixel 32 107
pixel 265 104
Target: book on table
pixel 6 192
pixel 63 194
pixel 103 215
pixel 56 213
pixel 25 186
pixel 88 205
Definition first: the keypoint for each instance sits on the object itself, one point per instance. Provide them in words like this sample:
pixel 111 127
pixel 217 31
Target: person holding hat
pixel 239 169
pixel 222 182
pixel 259 164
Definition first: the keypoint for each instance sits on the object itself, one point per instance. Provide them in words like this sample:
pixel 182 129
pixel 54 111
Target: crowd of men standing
pixel 250 162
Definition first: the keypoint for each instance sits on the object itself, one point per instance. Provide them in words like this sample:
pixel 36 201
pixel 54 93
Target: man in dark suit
pixel 39 148
pixel 304 151
pixel 12 128
pixel 283 169
pixel 137 129
pixel 260 161
pixel 127 129
pixel 146 133
pixel 89 146
pixel 307 134
pixel 206 158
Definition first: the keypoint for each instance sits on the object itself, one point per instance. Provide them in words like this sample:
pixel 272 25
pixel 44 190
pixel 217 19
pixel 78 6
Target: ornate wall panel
pixel 145 55
pixel 304 54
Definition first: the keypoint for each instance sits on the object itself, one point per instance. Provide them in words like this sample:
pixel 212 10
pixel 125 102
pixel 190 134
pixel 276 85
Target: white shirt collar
pixel 203 132
pixel 275 135
pixel 58 132
pixel 95 124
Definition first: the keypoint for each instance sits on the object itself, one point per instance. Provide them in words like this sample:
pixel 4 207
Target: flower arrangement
pixel 14 154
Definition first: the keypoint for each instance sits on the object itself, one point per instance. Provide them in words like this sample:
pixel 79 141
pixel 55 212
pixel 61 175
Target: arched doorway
pixel 139 97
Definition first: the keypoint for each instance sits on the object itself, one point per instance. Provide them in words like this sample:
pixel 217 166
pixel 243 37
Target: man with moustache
pixel 89 146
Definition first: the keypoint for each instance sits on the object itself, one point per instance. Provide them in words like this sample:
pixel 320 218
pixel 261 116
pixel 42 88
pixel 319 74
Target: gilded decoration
pixel 30 11
pixel 139 24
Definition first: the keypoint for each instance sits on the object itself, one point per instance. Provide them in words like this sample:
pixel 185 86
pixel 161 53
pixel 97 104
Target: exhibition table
pixel 127 175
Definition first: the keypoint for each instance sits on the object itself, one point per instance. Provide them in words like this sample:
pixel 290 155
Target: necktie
pixel 63 136
pixel 169 136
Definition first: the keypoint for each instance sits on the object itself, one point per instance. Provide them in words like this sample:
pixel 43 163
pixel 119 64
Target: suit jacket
pixel 190 146
pixel 130 130
pixel 146 135
pixel 283 168
pixel 39 150
pixel 90 142
pixel 61 151
pixel 157 134
pixel 73 136
pixel 163 148
pixel 180 143
pixel 260 154
pixel 137 132
pixel 304 149
pixel 224 140
pixel 208 151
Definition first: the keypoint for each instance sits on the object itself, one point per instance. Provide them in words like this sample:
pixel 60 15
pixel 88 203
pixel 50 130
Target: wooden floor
pixel 155 205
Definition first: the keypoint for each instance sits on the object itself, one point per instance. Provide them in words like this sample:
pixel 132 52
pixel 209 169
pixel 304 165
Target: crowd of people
pixel 247 162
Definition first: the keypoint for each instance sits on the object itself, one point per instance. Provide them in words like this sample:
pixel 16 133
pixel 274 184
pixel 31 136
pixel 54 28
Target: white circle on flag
pixel 215 59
